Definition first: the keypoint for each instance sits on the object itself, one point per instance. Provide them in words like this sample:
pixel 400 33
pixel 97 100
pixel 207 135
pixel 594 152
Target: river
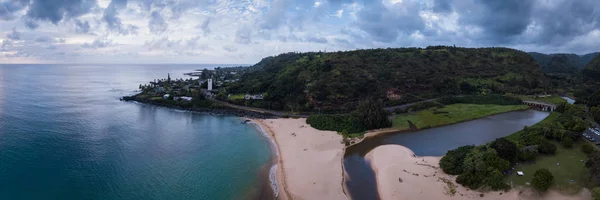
pixel 431 142
pixel 64 134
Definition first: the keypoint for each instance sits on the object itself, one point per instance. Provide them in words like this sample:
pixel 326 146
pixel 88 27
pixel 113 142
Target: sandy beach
pixel 401 175
pixel 310 160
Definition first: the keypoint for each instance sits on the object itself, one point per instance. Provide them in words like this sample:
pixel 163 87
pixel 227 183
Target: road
pixel 259 110
pixel 404 106
pixel 282 114
pixel 593 135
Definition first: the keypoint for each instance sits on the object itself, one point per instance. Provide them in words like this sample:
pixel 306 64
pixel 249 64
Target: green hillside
pixel 338 80
pixel 562 63
pixel 592 69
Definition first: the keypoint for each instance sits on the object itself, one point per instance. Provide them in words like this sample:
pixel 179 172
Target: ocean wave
pixel 273 170
pixel 273 179
pixel 264 132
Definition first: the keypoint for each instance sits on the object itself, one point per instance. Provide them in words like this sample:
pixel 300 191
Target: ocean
pixel 64 134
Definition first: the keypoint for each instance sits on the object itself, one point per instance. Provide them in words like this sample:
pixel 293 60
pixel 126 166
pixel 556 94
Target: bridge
pixel 541 105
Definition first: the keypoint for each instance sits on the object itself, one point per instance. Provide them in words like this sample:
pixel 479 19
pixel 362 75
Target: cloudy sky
pixel 244 31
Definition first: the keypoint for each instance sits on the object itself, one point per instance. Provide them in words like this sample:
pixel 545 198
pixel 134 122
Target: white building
pixel 210 84
pixel 166 96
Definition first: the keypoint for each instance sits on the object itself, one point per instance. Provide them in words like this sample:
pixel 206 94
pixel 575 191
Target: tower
pixel 209 84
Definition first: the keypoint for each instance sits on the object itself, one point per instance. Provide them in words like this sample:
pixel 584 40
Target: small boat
pixel 245 121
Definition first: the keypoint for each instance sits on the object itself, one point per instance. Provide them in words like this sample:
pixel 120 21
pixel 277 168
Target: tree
pixel 567 142
pixel 528 153
pixel 593 164
pixel 495 179
pixel 505 149
pixel 587 148
pixel 542 179
pixel 595 111
pixel 479 165
pixel 372 115
pixel 546 147
pixel 452 162
pixel 596 193
pixel 561 107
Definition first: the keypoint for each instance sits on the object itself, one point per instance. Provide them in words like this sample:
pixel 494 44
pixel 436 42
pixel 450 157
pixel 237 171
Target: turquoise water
pixel 65 135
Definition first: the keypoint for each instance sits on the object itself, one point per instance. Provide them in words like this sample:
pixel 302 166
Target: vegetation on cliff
pixel 368 115
pixel 562 63
pixel 336 81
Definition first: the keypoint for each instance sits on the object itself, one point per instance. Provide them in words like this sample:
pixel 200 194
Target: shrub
pixel 343 123
pixel 587 148
pixel 482 165
pixel 469 180
pixel 596 193
pixel 452 162
pixel 567 142
pixel 505 149
pixel 542 179
pixel 528 153
pixel 494 179
pixel 368 115
pixel 372 115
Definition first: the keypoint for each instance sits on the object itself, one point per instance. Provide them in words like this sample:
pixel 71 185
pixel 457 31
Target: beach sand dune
pixel 401 175
pixel 310 161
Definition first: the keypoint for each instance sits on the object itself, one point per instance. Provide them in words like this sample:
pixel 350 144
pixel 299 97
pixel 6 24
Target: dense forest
pixel 562 63
pixel 592 69
pixel 339 80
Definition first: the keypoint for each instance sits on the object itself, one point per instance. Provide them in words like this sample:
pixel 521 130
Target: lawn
pixel 156 98
pixel 571 168
pixel 237 97
pixel 551 99
pixel 450 114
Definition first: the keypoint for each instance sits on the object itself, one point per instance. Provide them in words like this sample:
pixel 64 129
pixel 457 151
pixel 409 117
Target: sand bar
pixel 401 175
pixel 310 160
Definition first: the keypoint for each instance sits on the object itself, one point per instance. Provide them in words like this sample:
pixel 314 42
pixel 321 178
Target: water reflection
pixel 432 142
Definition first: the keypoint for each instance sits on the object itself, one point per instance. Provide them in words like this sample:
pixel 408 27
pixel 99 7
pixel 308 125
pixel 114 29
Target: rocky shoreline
pixel 210 111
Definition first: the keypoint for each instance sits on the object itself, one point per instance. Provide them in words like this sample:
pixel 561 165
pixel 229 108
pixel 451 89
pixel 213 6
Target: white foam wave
pixel 273 170
pixel 273 179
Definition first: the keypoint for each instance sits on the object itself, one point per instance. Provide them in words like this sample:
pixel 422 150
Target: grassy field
pixel 548 120
pixel 571 168
pixel 450 114
pixel 551 99
pixel 236 96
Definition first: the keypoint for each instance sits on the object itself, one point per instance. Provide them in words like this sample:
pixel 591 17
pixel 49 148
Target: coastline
pixel 281 190
pixel 402 175
pixel 306 155
pixel 278 178
pixel 211 111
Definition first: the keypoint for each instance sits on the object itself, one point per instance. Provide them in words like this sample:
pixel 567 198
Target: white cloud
pixel 317 4
pixel 246 31
pixel 339 13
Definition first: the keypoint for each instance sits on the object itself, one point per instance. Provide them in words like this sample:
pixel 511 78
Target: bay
pixel 64 134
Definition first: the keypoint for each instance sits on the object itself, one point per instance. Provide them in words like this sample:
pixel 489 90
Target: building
pixel 166 96
pixel 210 84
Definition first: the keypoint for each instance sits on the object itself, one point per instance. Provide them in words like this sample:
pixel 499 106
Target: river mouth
pixel 361 181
